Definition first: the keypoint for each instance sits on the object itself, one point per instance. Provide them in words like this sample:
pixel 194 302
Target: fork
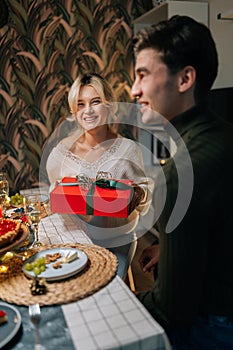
pixel 35 316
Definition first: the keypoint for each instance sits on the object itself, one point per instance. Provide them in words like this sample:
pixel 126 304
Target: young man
pixel 176 65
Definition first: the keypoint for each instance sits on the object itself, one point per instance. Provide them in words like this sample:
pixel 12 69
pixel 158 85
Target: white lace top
pixel 123 160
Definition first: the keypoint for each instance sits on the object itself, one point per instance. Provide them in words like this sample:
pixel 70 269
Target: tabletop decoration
pixel 38 286
pixel 102 196
pixel 17 213
pixel 99 271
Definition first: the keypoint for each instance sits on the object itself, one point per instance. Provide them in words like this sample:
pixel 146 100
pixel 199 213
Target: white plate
pixel 66 270
pixel 9 329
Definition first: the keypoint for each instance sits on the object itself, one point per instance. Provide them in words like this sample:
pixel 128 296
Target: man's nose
pixel 135 90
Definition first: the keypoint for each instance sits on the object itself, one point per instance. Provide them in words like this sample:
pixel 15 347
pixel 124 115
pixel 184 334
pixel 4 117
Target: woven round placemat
pixel 100 270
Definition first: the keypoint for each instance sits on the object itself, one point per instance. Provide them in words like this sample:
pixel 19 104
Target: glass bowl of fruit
pixel 17 200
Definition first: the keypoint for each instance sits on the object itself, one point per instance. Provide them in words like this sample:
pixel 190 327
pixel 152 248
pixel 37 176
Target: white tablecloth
pixel 112 318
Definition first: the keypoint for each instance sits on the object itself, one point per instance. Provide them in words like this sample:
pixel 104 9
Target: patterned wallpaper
pixel 44 45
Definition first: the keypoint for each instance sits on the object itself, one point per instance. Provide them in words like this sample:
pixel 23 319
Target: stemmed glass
pixel 4 191
pixel 33 212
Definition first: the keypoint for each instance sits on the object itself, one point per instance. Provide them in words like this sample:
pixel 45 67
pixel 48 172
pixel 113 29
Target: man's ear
pixel 187 78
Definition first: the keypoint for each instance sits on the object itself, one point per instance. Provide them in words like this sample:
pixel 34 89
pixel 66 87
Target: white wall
pixel 222 31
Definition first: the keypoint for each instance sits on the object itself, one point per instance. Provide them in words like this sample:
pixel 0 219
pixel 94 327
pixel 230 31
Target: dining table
pixel 93 311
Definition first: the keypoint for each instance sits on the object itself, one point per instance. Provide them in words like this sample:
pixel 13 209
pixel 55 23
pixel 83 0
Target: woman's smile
pixel 90 118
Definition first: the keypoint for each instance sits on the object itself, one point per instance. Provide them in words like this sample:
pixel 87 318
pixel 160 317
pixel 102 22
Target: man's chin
pixel 150 117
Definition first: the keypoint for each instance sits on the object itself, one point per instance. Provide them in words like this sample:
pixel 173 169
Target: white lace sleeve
pixel 130 166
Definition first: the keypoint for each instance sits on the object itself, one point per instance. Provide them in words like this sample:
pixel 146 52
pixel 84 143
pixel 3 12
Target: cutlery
pixel 35 317
pixel 11 254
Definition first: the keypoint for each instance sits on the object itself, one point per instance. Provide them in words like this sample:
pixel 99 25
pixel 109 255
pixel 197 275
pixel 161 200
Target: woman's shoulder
pixel 59 149
pixel 67 142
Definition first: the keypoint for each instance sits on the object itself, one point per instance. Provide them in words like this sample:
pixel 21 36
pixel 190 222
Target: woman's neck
pixel 94 138
pixel 93 143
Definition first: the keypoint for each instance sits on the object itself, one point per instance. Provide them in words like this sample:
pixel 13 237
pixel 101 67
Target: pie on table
pixel 10 230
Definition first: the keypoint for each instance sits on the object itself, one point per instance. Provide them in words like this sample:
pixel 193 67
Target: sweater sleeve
pixel 130 165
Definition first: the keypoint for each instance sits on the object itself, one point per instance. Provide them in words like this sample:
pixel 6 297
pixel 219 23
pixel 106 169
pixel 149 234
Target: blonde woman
pixel 96 146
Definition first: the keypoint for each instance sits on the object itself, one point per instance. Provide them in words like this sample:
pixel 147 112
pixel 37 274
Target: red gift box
pixel 68 197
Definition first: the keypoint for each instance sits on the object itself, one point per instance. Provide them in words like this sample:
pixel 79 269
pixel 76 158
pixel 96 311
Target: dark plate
pixel 9 329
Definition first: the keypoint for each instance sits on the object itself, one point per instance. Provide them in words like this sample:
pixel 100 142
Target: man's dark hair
pixel 182 41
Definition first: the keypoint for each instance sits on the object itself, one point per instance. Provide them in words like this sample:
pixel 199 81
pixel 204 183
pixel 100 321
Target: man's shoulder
pixel 211 125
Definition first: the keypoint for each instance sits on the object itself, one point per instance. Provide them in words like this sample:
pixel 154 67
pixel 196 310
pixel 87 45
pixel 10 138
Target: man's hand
pixel 149 258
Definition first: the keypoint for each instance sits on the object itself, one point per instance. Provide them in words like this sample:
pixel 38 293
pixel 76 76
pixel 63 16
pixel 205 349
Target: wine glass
pixel 33 212
pixel 4 191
